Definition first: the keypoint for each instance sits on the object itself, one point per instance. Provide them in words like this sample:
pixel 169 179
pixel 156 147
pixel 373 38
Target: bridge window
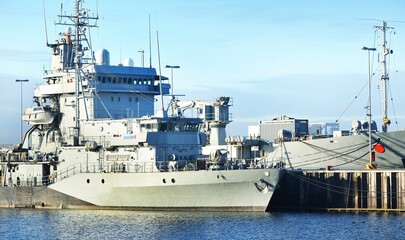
pixel 163 127
pixel 178 127
pixel 149 127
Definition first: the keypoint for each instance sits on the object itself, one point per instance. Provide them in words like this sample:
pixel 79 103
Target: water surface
pixel 106 224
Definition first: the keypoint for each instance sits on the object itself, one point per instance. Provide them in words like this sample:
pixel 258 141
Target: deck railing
pixel 140 167
pixel 150 167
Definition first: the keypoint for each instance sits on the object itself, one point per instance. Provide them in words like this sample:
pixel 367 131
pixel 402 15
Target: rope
pixel 333 154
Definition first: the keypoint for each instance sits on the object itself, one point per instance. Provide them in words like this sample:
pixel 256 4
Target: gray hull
pixel 233 190
pixel 346 153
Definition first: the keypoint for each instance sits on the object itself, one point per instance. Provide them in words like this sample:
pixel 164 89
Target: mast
pixel 77 72
pixel 80 21
pixel 160 75
pixel 150 46
pixel 384 76
pixel 371 164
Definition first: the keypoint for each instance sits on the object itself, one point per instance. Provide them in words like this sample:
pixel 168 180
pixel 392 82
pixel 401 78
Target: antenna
pixel 160 71
pixel 46 28
pixel 150 47
pixel 97 7
pixel 61 10
pixel 120 55
pixel 384 76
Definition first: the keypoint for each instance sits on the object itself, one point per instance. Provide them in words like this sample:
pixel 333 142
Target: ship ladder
pixel 23 197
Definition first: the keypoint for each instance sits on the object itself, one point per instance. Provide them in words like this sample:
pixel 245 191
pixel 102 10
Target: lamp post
pixel 21 81
pixel 171 67
pixel 369 105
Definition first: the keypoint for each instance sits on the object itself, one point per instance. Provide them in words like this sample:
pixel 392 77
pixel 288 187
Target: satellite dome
pixel 102 57
pixel 68 31
pixel 356 125
pixel 128 62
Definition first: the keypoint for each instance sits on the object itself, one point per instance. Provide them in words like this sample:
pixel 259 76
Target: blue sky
pixel 297 58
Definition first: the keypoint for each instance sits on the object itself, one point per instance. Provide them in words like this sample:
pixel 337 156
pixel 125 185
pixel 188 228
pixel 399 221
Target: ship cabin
pixel 170 125
pixel 125 91
pixel 146 131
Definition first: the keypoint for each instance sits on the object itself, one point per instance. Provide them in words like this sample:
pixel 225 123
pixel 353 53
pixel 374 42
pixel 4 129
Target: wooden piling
pixel 363 190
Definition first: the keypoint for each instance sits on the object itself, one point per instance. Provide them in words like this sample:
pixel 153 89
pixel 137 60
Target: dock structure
pixel 360 190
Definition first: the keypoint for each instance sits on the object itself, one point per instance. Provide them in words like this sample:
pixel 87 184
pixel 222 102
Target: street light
pixel 171 67
pixel 21 100
pixel 372 158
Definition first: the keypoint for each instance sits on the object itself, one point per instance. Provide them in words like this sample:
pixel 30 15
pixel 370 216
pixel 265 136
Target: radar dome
pixel 68 31
pixel 128 62
pixel 102 57
pixel 356 125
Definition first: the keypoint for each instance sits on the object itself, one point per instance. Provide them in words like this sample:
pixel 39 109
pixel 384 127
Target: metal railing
pixel 143 167
pixel 164 166
pixel 34 181
pixel 14 157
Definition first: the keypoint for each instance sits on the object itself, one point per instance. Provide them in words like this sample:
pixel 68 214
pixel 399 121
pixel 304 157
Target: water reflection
pixel 103 224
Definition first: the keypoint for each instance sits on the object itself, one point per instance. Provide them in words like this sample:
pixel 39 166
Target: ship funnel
pixel 102 57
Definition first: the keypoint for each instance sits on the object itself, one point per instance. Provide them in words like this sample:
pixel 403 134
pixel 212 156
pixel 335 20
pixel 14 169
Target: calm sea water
pixel 103 224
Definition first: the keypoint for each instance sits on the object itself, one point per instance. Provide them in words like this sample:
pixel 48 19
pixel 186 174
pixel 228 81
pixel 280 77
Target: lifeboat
pixel 39 115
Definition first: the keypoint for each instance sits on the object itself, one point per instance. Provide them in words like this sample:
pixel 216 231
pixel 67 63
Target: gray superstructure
pixel 342 152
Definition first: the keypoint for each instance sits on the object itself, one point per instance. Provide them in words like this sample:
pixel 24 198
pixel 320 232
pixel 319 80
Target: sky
pixel 297 58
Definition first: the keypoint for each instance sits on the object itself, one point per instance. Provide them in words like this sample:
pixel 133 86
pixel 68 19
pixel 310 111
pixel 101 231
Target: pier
pixel 360 190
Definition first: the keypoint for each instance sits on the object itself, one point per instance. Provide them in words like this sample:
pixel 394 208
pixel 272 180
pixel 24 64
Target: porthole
pixel 102 181
pixel 88 180
pixel 164 180
pixel 173 181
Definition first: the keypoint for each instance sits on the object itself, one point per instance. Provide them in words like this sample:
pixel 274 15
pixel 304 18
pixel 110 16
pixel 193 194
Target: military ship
pixel 96 141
